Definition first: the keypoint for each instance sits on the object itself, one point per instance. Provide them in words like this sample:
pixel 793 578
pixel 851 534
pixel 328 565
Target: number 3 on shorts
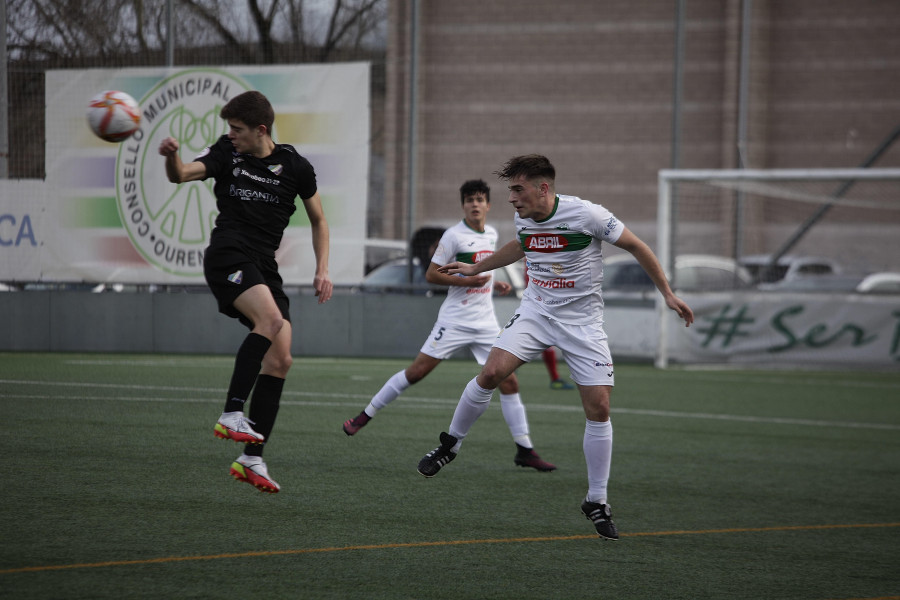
pixel 511 321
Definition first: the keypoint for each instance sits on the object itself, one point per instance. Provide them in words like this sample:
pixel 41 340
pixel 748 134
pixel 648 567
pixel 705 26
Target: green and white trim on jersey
pixel 467 306
pixel 564 259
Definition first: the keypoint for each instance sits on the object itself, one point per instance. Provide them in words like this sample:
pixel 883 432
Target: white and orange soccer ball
pixel 113 116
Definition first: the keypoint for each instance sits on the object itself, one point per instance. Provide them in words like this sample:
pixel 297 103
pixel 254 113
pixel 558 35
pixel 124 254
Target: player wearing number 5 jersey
pixel 466 320
pixel 560 238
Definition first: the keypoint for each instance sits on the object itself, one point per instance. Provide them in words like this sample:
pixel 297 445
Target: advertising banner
pixel 107 213
pixel 842 330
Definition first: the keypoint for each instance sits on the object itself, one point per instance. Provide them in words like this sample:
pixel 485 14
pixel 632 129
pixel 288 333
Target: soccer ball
pixel 113 116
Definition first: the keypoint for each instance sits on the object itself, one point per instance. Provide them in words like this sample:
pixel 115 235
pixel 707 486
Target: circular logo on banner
pixel 170 225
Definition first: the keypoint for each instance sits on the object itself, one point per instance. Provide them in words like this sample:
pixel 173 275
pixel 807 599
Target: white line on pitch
pixel 423 402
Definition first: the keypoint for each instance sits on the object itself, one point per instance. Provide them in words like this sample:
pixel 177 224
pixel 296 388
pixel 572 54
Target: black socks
pixel 247 364
pixel 263 409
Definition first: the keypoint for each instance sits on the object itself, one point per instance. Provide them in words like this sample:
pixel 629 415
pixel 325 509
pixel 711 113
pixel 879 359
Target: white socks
pixel 472 404
pixel 474 401
pixel 516 419
pixel 598 438
pixel 392 388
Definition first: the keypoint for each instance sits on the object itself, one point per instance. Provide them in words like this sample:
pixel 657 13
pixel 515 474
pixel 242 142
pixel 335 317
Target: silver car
pixel 623 277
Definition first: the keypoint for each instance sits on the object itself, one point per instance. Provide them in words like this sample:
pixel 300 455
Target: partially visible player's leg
pixel 516 418
pixel 598 440
pixel 556 382
pixel 258 307
pixel 441 344
pixel 587 354
pixel 514 411
pixel 266 400
pixel 523 338
pixel 510 401
pixel 549 358
pixel 592 370
pixel 477 394
pixel 397 384
pixel 518 342
pixel 472 404
pixel 511 404
pixel 598 437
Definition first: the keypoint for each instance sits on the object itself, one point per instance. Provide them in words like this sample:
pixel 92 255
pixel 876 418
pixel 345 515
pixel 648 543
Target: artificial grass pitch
pixel 725 484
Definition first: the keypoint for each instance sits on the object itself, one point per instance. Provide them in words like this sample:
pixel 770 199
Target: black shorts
pixel 230 271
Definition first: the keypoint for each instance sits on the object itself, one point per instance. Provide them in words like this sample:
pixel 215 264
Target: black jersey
pixel 257 196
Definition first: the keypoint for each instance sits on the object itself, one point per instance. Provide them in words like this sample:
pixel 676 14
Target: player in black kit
pixel 256 184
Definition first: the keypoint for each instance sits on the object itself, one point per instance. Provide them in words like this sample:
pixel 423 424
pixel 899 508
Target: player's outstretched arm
pixel 647 259
pixel 506 255
pixel 435 276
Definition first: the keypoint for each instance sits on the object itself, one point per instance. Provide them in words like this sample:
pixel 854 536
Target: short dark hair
pixel 251 108
pixel 474 186
pixel 532 166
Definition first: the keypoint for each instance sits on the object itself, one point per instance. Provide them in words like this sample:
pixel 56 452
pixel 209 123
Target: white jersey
pixel 563 259
pixel 467 306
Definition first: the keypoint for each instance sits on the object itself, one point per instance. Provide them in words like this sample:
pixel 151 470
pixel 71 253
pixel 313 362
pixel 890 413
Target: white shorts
pixel 584 347
pixel 445 340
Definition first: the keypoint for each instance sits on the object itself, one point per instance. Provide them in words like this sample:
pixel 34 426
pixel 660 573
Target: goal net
pixel 784 232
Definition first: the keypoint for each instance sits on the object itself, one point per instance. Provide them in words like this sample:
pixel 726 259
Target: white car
pixel 885 282
pixel 824 283
pixel 788 267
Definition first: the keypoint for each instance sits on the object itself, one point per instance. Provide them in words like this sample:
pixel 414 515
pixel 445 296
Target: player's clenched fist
pixel 168 146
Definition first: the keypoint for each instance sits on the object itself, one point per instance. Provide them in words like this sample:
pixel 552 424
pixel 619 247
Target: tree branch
pixel 217 25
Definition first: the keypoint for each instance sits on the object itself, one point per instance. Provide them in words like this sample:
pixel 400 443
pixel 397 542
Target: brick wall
pixel 589 83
